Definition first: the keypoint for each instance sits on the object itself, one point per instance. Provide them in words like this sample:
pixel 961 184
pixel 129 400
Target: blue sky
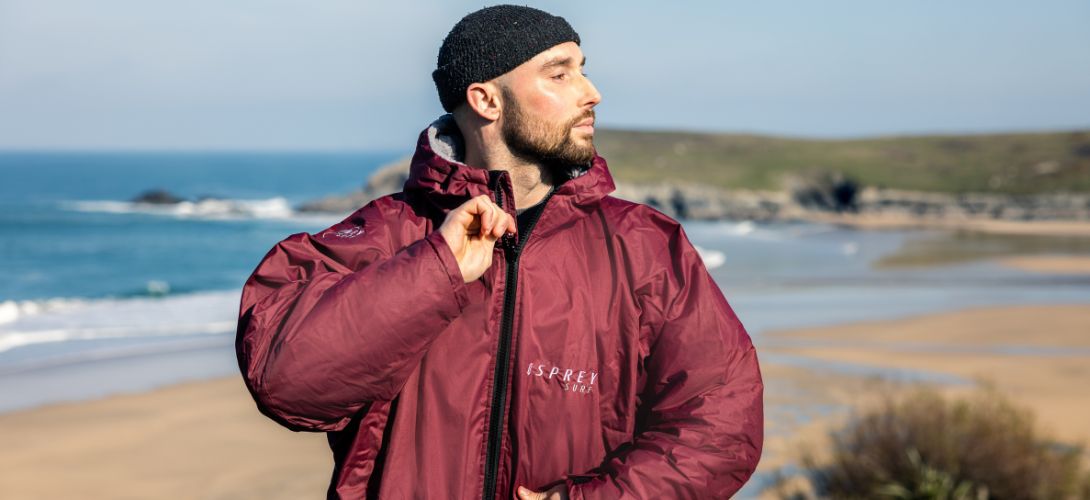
pixel 339 74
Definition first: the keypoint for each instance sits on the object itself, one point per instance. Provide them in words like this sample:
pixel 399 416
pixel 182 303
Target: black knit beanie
pixel 492 41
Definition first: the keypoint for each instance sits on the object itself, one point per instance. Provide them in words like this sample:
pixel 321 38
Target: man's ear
pixel 484 100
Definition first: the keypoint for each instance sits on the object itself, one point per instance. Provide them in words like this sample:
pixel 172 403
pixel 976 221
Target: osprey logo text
pixel 577 381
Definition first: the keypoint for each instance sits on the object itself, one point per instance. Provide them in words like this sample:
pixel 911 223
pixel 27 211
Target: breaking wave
pixel 59 320
pixel 209 208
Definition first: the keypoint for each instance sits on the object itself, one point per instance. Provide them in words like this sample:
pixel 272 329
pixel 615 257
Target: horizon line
pixel 604 128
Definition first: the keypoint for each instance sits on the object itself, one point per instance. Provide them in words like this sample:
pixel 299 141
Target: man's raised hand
pixel 471 231
pixel 558 492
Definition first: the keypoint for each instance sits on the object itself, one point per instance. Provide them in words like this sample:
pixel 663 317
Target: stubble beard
pixel 538 141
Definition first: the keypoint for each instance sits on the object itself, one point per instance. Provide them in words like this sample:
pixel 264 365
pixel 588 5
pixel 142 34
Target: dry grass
pixel 922 445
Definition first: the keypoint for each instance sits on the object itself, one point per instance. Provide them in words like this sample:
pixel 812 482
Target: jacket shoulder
pixel 635 219
pixel 653 242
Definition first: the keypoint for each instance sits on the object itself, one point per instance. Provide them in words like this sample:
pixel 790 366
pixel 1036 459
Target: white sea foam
pixel 712 258
pixel 210 208
pixel 734 228
pixel 62 320
pixel 742 229
pixel 12 310
pixel 116 353
pixel 753 230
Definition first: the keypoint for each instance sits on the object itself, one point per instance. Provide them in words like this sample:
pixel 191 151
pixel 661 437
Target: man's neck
pixel 531 181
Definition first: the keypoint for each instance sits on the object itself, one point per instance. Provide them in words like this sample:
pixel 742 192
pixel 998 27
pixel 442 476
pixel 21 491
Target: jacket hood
pixel 438 171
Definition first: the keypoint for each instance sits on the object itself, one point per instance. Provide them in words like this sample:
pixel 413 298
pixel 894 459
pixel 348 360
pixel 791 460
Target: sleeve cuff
pixel 450 266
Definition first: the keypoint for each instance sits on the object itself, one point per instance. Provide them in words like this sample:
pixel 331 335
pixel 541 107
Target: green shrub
pixel 924 446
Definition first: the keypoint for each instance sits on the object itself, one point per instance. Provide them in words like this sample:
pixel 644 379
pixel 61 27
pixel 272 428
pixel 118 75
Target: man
pixel 449 350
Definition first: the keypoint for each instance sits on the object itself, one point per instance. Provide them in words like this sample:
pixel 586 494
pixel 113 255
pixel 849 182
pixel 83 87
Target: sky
pixel 356 75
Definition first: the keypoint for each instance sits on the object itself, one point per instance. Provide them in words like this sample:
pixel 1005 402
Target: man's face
pixel 548 108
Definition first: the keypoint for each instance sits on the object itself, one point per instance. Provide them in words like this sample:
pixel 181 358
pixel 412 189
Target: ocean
pixel 101 296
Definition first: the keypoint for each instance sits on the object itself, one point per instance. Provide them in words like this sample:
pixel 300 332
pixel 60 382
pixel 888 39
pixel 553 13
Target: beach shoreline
pixel 208 439
pixel 1079 228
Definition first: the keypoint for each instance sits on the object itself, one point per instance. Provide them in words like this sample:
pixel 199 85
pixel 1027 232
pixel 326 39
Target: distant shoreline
pixel 812 197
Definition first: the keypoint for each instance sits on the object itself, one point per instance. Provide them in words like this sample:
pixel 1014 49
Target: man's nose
pixel 592 96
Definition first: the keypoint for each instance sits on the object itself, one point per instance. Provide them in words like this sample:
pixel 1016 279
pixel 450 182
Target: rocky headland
pixel 817 196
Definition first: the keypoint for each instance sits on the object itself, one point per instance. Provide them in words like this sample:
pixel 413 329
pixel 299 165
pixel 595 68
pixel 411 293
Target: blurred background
pixel 890 195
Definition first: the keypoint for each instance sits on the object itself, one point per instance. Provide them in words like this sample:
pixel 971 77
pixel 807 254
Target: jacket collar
pixel 437 171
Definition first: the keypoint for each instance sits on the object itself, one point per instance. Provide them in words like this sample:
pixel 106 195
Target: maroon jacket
pixel 596 350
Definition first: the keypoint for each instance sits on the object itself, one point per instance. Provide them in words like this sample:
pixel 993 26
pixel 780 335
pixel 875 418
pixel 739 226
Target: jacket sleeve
pixel 700 428
pixel 333 321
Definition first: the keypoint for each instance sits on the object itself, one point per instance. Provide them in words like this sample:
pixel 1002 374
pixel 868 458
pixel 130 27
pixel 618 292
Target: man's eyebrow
pixel 561 61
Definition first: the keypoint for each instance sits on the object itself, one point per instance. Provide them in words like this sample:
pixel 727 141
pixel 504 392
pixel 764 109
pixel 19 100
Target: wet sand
pixel 801 406
pixel 1039 355
pixel 1050 264
pixel 894 221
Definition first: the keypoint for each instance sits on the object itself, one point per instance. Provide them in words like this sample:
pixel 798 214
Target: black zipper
pixel 503 353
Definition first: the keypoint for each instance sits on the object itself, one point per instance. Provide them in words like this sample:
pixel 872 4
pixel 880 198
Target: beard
pixel 536 140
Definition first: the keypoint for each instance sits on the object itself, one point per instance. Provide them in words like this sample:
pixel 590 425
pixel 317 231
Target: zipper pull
pixel 509 242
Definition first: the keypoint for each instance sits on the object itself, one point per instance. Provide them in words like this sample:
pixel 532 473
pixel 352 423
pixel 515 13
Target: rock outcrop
pixel 388 179
pixel 158 197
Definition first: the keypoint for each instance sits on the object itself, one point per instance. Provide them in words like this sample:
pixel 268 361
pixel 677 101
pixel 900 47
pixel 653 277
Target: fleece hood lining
pixel 447 142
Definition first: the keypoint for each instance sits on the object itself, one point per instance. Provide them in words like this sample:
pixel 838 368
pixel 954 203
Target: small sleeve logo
pixel 348 232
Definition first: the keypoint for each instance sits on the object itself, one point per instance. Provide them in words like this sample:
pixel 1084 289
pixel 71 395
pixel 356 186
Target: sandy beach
pixel 1052 264
pixel 207 440
pixel 1038 355
pixel 1000 226
pixel 191 440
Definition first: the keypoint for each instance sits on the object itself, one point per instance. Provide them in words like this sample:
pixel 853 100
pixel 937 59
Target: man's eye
pixel 562 75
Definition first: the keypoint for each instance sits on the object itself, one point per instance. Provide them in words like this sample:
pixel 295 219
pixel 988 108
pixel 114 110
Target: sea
pixel 100 295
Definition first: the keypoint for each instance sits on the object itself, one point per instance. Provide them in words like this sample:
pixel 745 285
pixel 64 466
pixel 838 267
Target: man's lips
pixel 588 123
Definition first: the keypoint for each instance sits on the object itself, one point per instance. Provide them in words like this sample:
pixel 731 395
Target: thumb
pixel 527 494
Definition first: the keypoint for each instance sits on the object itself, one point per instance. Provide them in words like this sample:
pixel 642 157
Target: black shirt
pixel 528 214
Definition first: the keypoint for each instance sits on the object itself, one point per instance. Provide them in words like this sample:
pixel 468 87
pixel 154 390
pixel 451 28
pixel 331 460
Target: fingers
pixel 473 210
pixel 478 204
pixel 507 225
pixel 486 210
pixel 527 494
pixel 488 219
pixel 480 215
